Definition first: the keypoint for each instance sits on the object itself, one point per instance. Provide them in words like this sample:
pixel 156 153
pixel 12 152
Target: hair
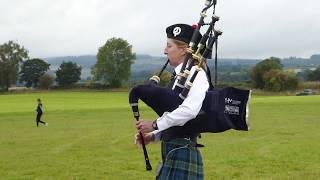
pixel 180 44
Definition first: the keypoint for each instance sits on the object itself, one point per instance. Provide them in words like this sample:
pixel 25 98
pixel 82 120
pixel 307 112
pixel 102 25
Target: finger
pixel 137 140
pixel 139 127
pixel 141 131
pixel 137 136
pixel 145 131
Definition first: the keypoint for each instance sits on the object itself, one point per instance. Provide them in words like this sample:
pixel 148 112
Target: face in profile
pixel 174 52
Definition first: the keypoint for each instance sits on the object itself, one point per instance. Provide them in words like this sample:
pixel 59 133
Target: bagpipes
pixel 222 109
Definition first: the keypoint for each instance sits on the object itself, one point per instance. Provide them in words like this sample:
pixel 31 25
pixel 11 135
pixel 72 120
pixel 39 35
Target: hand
pixel 144 126
pixel 149 137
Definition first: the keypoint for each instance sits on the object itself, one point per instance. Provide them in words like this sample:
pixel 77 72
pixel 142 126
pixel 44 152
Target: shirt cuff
pixel 157 135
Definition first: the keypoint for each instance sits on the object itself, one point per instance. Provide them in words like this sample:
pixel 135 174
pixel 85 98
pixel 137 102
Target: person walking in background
pixel 39 113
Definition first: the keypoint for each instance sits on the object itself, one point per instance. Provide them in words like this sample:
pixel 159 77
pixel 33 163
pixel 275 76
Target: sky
pixel 254 29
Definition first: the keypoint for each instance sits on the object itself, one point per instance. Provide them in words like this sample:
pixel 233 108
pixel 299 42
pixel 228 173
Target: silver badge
pixel 176 31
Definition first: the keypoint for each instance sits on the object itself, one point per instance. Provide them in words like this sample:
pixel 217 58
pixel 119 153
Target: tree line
pixel 15 65
pixel 113 64
pixel 113 68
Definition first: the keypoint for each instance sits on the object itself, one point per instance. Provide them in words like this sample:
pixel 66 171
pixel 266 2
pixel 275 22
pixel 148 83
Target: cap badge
pixel 176 31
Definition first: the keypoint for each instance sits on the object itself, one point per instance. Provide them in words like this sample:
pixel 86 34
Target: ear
pixel 183 51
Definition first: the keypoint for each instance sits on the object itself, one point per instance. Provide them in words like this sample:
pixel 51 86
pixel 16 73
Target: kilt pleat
pixel 181 160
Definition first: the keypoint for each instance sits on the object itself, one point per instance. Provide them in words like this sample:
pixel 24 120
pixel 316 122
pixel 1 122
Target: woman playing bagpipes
pixel 181 158
pixel 190 105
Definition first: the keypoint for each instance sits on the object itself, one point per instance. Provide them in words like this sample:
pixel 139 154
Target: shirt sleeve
pixel 190 107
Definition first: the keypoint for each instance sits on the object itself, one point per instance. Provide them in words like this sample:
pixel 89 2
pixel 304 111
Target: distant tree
pixel 279 80
pixel 45 81
pixel 314 75
pixel 114 61
pixel 164 79
pixel 68 73
pixel 31 70
pixel 304 74
pixel 11 56
pixel 261 68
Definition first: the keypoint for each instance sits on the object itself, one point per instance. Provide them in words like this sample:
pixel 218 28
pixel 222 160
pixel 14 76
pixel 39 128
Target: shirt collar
pixel 178 68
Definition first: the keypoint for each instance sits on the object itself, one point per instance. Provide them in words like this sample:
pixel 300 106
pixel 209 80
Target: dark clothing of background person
pixel 39 114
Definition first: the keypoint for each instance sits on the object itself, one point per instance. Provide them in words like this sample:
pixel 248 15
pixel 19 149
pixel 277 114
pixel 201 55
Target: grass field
pixel 90 136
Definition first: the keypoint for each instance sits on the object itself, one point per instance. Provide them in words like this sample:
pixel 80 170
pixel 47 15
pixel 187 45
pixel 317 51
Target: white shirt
pixel 189 108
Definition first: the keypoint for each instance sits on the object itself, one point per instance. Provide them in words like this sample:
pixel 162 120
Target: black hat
pixel 181 32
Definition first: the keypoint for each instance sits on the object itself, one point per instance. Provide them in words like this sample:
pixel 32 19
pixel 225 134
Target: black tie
pixel 172 79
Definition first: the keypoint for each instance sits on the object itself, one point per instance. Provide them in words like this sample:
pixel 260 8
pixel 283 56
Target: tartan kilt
pixel 181 160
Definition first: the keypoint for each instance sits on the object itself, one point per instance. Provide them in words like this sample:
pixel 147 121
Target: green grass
pixel 90 136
